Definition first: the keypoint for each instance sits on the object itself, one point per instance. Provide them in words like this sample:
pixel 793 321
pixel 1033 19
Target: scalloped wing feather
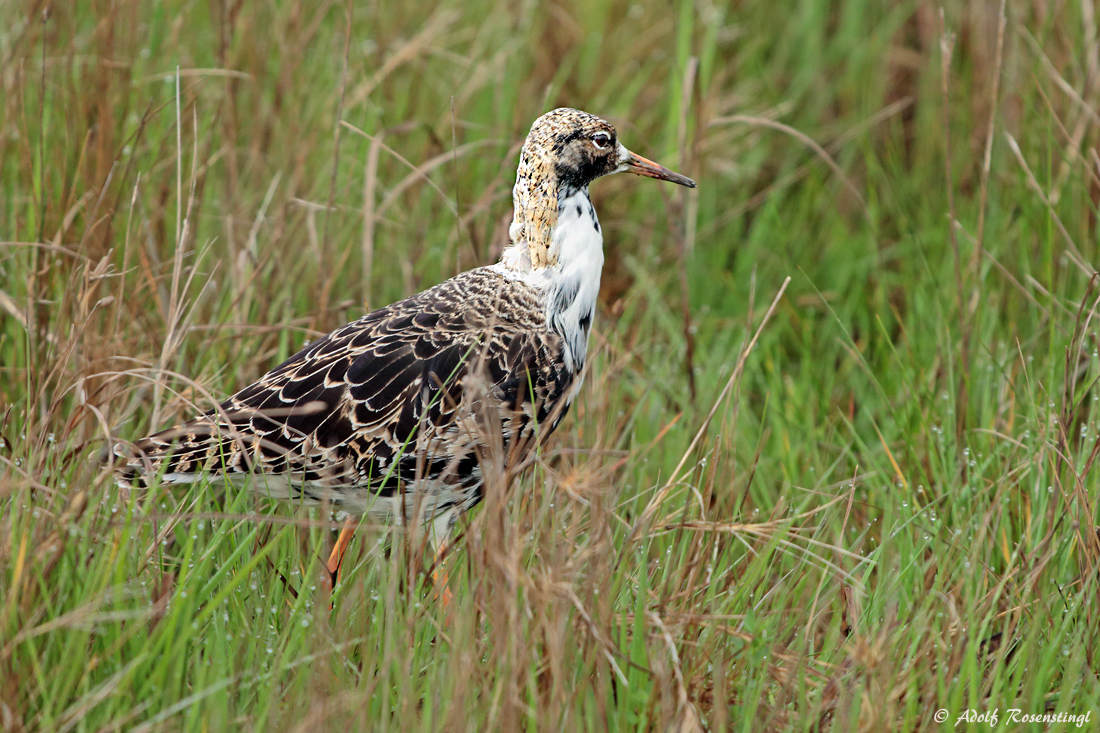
pixel 396 398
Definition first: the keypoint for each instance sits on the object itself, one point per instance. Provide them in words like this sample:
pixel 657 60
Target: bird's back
pixel 395 402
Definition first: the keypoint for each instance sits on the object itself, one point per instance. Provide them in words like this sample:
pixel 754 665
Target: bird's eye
pixel 601 140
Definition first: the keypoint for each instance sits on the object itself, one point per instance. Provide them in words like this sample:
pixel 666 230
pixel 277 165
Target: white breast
pixel 574 282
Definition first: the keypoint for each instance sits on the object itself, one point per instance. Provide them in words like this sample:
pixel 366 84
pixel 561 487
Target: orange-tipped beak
pixel 635 163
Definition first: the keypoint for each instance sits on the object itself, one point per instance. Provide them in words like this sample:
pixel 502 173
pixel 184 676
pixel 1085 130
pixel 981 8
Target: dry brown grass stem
pixel 806 140
pixel 418 171
pixel 435 28
pixel 735 212
pixel 987 156
pixel 658 499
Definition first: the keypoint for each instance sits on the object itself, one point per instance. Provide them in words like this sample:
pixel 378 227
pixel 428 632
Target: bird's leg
pixel 440 538
pixel 336 558
pixel 439 576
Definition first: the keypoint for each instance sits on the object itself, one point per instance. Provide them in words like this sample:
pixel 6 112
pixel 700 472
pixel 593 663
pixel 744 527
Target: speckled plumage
pixel 393 413
pixel 348 418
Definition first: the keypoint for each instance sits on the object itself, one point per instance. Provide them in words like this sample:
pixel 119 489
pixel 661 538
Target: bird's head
pixel 565 151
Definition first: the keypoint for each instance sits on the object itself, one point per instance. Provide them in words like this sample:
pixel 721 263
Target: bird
pixel 392 415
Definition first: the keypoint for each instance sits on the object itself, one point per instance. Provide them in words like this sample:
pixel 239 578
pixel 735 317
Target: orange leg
pixel 439 536
pixel 336 558
pixel 439 575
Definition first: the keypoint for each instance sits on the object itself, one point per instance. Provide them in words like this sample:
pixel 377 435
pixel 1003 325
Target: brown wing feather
pixel 385 399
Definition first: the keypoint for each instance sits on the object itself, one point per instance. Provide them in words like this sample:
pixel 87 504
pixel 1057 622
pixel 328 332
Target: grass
pixel 891 510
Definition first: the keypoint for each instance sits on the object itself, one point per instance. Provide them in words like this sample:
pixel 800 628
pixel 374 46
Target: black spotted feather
pixel 398 398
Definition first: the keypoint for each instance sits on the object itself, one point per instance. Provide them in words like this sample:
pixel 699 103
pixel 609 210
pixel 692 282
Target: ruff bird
pixel 391 415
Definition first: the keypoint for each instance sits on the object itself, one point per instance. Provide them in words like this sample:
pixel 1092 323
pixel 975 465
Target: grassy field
pixel 884 507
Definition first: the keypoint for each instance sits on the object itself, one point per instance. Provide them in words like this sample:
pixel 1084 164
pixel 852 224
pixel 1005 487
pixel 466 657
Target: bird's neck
pixel 536 202
pixel 557 245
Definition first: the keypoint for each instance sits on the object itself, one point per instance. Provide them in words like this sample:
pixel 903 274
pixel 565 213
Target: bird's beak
pixel 634 163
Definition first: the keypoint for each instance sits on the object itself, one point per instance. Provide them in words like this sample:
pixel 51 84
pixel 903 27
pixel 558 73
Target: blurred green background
pixel 892 509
